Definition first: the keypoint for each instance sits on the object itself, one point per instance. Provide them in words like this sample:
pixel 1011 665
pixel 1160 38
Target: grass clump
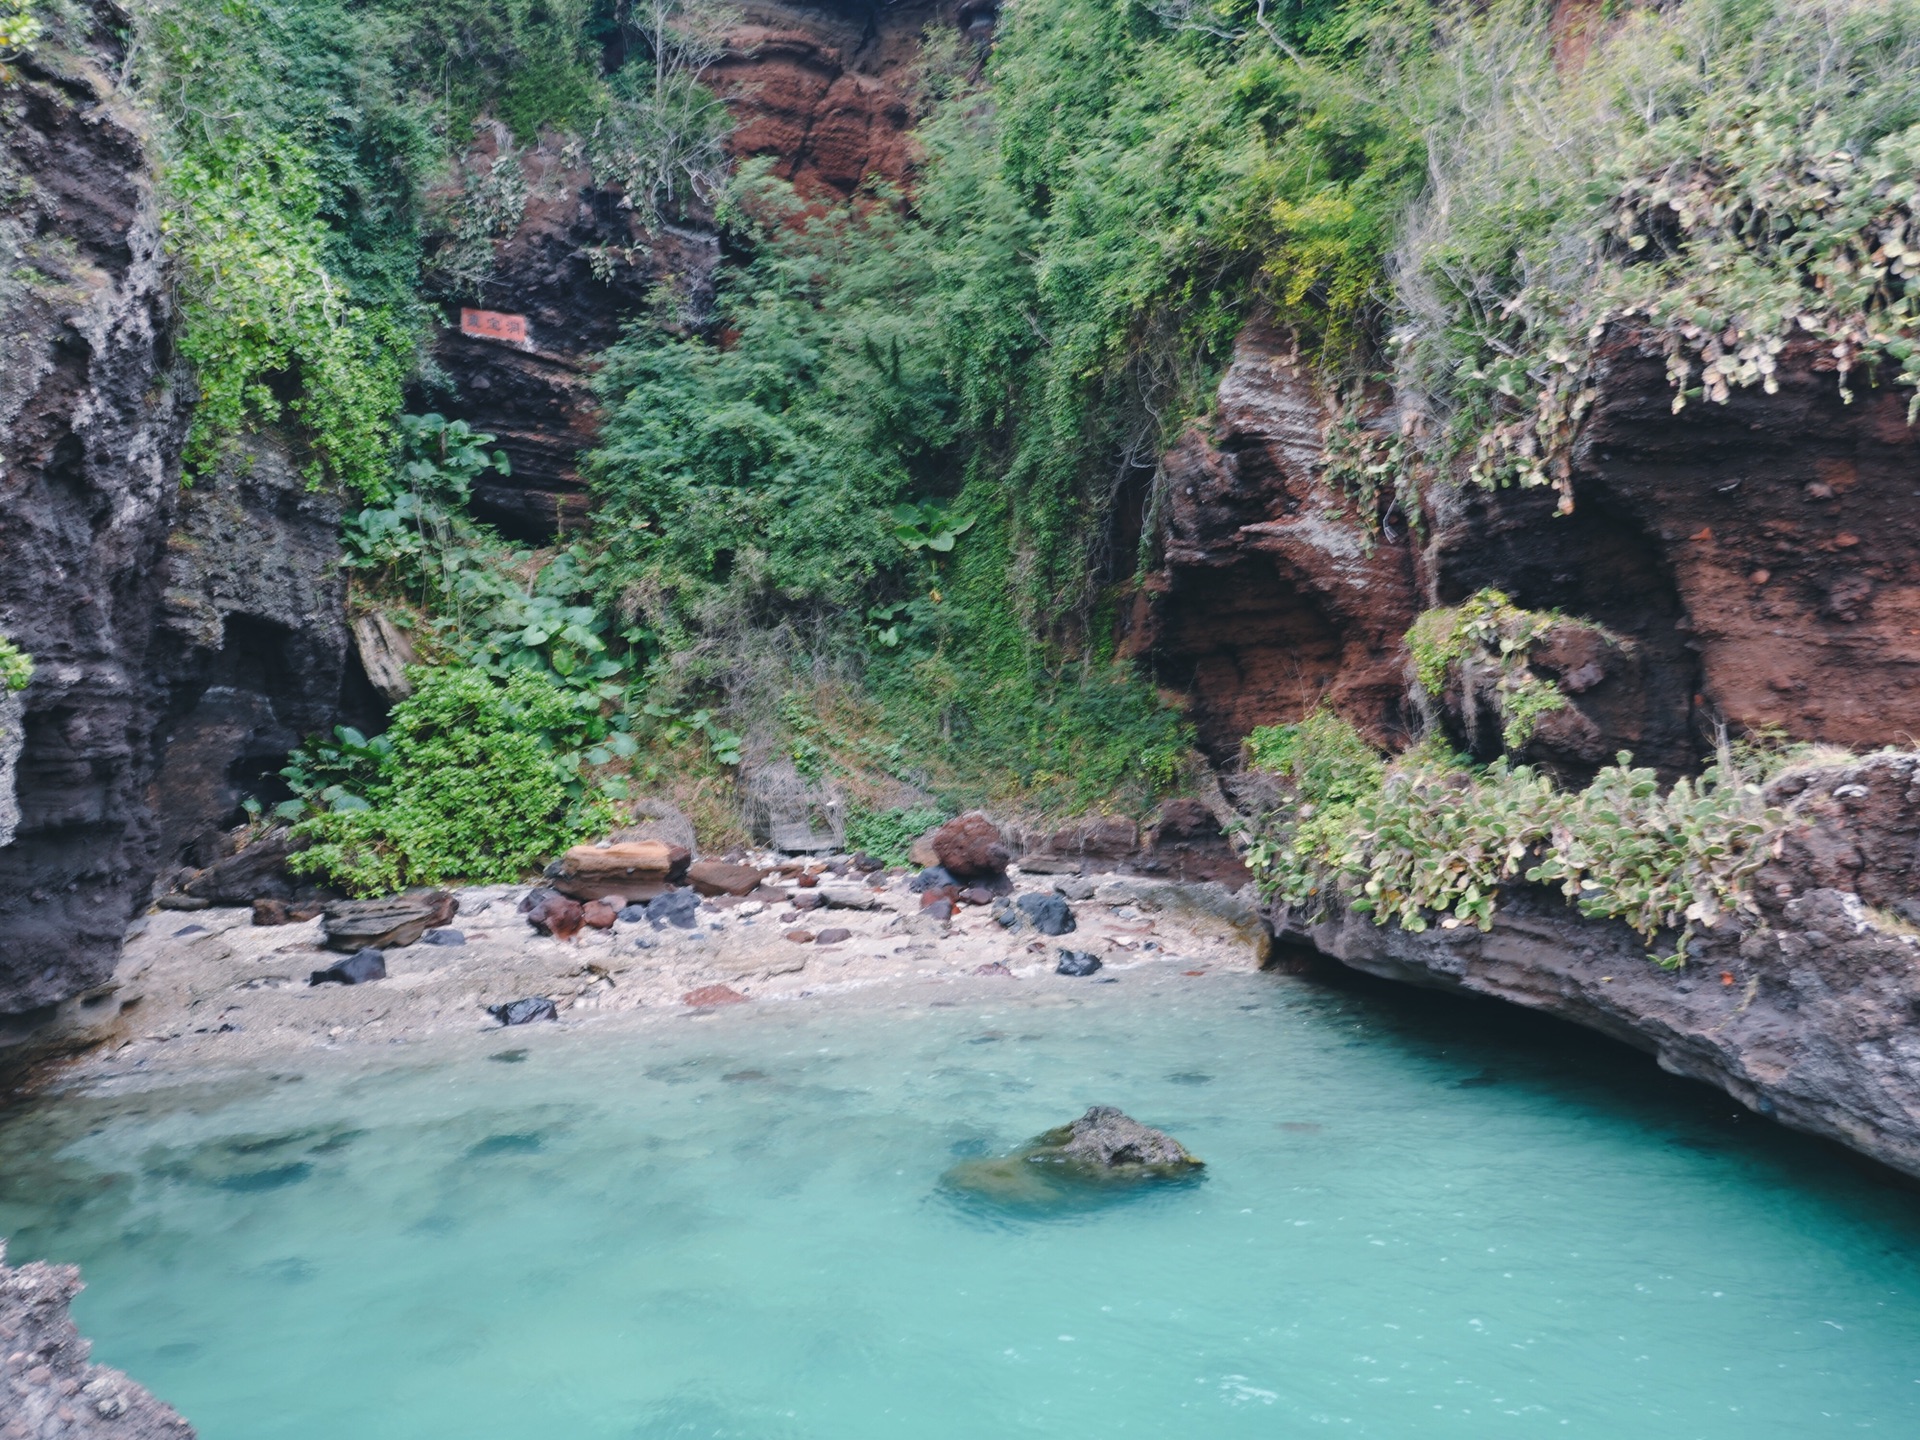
pixel 887 834
pixel 1427 839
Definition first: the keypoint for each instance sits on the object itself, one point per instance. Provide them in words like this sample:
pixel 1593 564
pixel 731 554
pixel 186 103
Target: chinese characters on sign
pixel 492 325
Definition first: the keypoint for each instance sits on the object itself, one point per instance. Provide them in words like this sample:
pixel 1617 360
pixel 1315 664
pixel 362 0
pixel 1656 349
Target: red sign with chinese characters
pixel 492 325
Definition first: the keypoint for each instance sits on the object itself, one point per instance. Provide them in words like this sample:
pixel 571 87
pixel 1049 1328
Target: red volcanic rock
pixel 708 996
pixel 557 916
pixel 971 848
pixel 598 915
pixel 1277 594
pixel 717 877
pixel 800 937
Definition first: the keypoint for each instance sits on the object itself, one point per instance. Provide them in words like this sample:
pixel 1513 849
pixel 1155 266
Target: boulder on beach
pixel 1048 914
pixel 636 869
pixel 717 877
pixel 972 848
pixel 389 924
pixel 1077 962
pixel 524 1012
pixel 1104 1152
pixel 369 964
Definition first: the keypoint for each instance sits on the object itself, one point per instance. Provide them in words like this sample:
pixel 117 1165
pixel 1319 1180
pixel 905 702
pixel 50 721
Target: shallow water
pixel 1419 1218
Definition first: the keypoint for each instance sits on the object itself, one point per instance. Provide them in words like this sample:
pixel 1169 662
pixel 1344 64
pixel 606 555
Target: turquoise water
pixel 1419 1219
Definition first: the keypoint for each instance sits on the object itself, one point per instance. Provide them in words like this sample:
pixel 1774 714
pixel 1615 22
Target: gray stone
pixel 47 1388
pixel 1048 914
pixel 1075 887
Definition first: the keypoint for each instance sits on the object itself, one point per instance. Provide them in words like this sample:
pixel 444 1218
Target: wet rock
pixel 1048 914
pixel 524 1012
pixel 1103 1154
pixel 47 1388
pixel 598 915
pixel 1077 962
pixel 934 877
pixel 443 937
pixel 717 877
pixel 971 848
pixel 833 935
pixel 627 867
pixel 385 924
pixel 556 915
pixel 709 996
pixel 285 912
pixel 678 908
pixel 369 964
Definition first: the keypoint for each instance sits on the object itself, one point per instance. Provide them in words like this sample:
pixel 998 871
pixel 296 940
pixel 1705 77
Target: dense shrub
pixel 475 780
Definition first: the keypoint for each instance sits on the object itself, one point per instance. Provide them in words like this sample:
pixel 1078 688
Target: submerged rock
pixel 48 1389
pixel 1103 1153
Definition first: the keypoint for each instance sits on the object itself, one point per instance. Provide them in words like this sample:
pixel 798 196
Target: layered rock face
pixel 183 637
pixel 1274 594
pixel 89 444
pixel 821 90
pixel 48 1390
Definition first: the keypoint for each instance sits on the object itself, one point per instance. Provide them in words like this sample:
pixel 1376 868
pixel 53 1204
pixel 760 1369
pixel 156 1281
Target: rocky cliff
pixel 48 1390
pixel 183 636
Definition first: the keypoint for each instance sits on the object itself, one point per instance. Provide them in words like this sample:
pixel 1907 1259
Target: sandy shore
pixel 210 988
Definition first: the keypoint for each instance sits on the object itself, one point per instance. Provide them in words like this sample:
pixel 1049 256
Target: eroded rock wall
pixel 1273 594
pixel 90 432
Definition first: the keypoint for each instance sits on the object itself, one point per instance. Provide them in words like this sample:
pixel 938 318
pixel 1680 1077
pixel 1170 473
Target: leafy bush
pixel 1428 839
pixel 1489 629
pixel 1729 174
pixel 887 834
pixel 476 780
pixel 16 666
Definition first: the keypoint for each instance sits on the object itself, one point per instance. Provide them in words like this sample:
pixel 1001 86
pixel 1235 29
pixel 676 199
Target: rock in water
pixel 1102 1154
pixel 1077 962
pixel 49 1390
pixel 971 848
pixel 523 1012
pixel 388 924
pixel 1112 1140
pixel 369 964
pixel 1049 914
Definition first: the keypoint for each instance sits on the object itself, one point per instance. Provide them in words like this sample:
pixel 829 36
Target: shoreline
pixel 210 992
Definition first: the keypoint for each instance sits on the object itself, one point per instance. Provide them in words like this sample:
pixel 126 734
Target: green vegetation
pixel 1730 174
pixel 300 139
pixel 1427 839
pixel 887 834
pixel 1489 630
pixel 20 27
pixel 470 783
pixel 16 666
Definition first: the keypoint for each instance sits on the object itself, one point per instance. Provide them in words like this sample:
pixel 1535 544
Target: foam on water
pixel 1419 1219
